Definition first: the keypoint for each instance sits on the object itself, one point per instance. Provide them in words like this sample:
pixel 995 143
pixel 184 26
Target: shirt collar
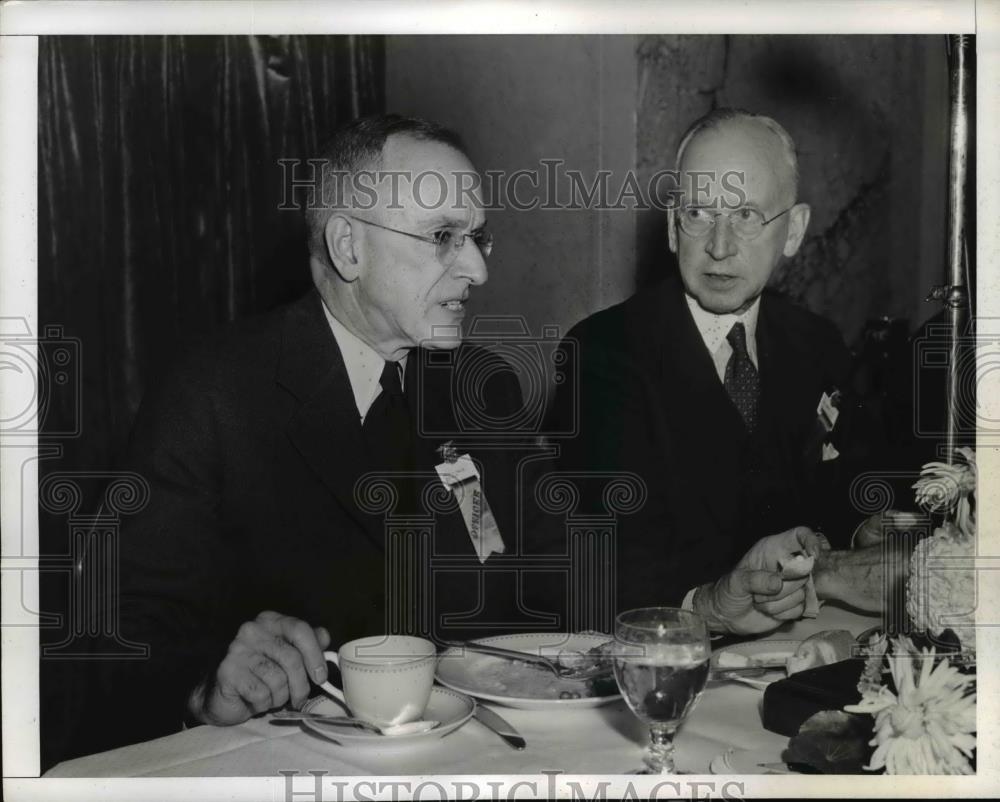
pixel 363 363
pixel 714 328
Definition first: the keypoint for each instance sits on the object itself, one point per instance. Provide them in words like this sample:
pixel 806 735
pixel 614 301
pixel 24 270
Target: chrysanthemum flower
pixel 943 487
pixel 928 726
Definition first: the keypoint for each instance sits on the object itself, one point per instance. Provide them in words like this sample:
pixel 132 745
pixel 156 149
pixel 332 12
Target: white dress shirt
pixel 363 363
pixel 713 329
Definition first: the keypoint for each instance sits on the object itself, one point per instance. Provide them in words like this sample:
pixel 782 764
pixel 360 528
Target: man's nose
pixel 471 264
pixel 721 241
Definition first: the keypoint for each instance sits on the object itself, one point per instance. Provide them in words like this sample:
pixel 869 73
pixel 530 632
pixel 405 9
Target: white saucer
pixel 780 650
pixel 450 708
pixel 506 682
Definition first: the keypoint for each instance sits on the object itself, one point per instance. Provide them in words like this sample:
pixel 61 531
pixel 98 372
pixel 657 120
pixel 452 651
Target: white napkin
pixel 801 566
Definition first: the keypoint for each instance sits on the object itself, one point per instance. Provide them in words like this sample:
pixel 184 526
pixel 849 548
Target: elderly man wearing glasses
pixel 261 545
pixel 718 393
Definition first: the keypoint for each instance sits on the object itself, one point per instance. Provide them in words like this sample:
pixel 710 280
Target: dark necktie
pixel 742 382
pixel 388 430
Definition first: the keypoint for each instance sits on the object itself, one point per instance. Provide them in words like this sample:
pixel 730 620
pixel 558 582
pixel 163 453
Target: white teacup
pixel 387 678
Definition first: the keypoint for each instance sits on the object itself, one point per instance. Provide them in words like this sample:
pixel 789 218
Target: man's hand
pixel 865 578
pixel 874 529
pixel 753 597
pixel 270 662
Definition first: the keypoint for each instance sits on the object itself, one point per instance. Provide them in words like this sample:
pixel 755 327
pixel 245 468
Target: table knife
pixel 789 768
pixel 500 726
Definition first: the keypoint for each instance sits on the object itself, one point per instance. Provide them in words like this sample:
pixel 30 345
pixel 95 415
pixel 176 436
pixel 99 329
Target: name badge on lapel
pixel 826 414
pixel 459 474
pixel 827 410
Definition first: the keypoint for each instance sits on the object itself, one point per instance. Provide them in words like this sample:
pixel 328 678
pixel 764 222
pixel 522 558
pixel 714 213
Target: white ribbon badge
pixel 460 476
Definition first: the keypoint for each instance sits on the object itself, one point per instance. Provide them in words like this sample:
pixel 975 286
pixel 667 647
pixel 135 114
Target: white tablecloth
pixel 603 740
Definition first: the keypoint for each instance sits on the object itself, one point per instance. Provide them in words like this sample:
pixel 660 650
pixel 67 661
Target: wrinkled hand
pixel 753 597
pixel 269 663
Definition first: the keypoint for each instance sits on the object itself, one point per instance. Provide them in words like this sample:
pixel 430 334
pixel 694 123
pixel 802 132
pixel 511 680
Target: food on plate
pixel 528 680
pixel 596 658
pixel 823 648
pixel 730 659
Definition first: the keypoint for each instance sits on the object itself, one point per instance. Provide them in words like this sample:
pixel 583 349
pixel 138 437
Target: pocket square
pixel 829 410
pixel 829 452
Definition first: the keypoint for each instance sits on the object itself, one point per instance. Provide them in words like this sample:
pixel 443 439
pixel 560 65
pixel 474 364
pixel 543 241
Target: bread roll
pixel 821 649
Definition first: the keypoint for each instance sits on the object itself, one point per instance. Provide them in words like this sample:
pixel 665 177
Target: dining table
pixel 605 739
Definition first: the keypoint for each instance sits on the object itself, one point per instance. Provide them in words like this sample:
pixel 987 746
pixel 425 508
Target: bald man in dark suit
pixel 271 454
pixel 708 386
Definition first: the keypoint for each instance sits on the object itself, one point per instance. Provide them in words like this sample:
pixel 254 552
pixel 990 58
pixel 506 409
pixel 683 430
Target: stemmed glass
pixel 661 664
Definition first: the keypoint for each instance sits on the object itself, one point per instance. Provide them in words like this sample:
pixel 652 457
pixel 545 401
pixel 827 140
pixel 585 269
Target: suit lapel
pixel 785 378
pixel 428 392
pixel 692 388
pixel 426 405
pixel 697 415
pixel 325 428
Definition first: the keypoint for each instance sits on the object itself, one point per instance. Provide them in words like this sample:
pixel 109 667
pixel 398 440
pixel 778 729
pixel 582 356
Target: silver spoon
pixel 409 728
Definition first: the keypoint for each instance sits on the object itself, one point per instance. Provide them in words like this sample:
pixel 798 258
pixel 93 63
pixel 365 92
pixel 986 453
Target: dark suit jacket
pixel 252 449
pixel 651 403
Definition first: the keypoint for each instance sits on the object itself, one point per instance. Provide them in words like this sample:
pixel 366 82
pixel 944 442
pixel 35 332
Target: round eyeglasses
pixel 448 242
pixel 747 223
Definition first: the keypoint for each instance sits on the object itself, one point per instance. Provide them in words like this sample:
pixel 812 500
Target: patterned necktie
pixel 742 382
pixel 388 429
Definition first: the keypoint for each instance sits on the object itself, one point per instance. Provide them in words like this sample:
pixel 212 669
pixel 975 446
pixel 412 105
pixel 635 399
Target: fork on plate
pixel 590 664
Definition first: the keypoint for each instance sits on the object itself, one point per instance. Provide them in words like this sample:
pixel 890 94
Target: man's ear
pixel 672 229
pixel 798 222
pixel 338 236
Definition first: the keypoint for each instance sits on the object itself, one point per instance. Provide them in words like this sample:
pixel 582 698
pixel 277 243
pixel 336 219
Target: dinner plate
pixel 450 708
pixel 769 651
pixel 522 685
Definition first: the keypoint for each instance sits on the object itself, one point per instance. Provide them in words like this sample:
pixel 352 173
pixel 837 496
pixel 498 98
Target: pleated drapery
pixel 158 188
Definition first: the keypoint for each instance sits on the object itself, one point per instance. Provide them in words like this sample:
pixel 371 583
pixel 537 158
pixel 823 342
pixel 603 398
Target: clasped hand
pixel 269 663
pixel 753 597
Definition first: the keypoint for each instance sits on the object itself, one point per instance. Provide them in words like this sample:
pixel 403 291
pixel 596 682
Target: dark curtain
pixel 159 187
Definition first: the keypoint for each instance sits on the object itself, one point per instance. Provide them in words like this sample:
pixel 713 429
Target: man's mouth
pixel 454 305
pixel 720 278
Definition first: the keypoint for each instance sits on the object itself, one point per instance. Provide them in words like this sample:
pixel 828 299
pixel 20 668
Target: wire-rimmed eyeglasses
pixel 747 223
pixel 447 242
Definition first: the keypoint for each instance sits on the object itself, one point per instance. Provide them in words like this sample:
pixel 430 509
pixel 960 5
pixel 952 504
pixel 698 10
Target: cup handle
pixel 335 692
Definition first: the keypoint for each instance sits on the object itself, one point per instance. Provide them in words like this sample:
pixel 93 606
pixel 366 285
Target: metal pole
pixel 954 294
